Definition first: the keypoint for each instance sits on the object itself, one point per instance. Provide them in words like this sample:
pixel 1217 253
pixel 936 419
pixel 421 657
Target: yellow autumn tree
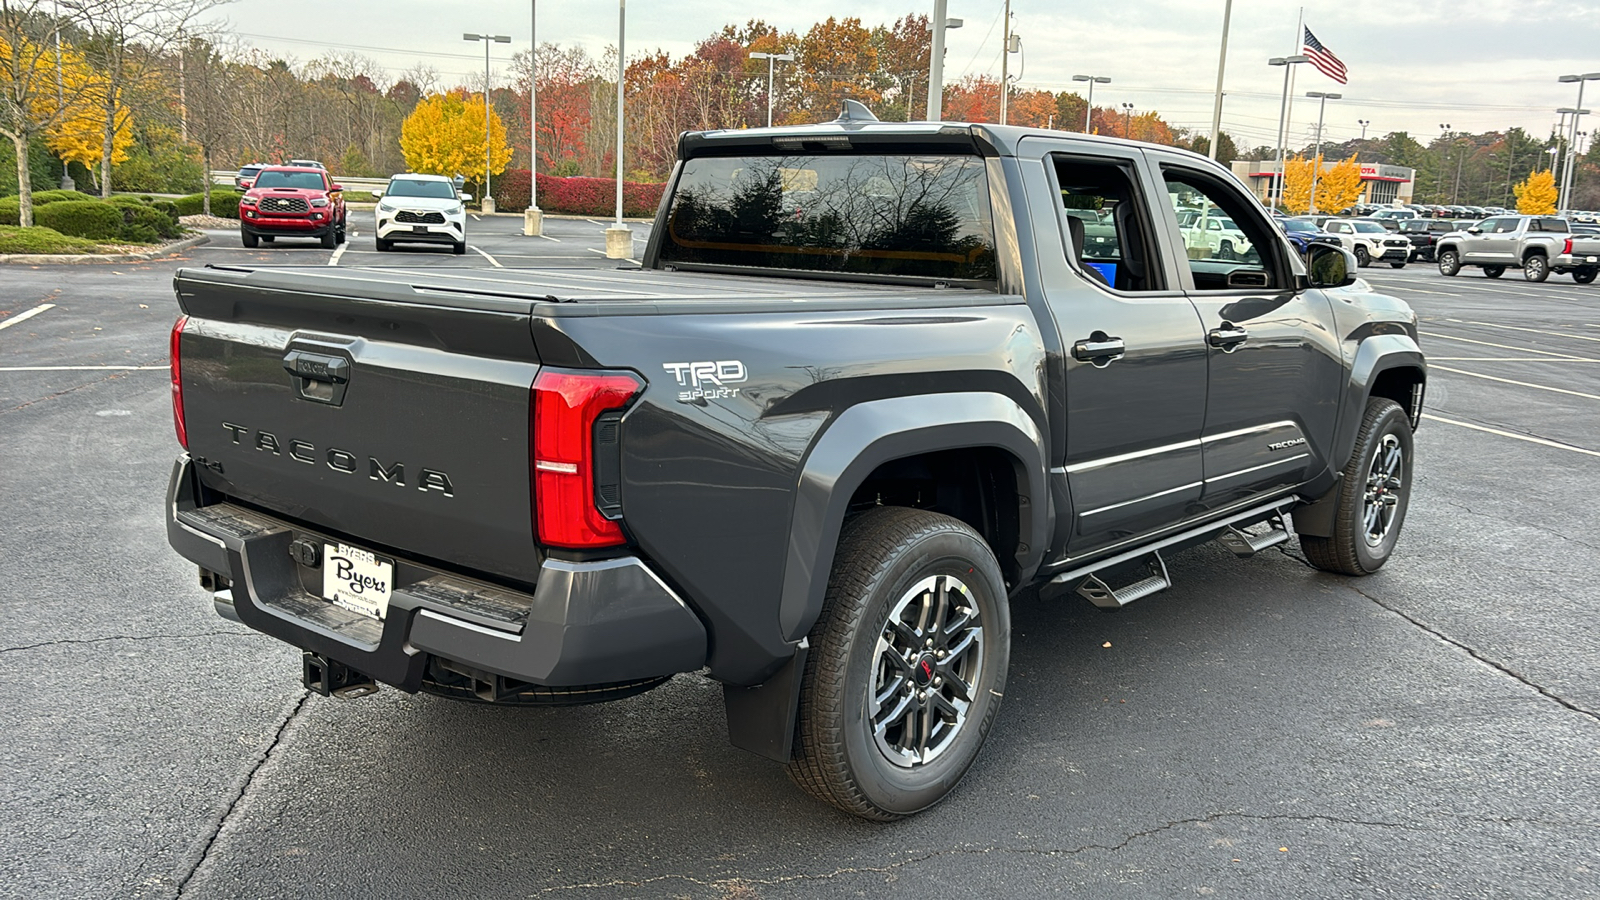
pixel 1537 195
pixel 77 130
pixel 444 136
pixel 1297 172
pixel 1339 186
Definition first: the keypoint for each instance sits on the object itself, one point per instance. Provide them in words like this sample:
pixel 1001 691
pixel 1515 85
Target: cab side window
pixel 1108 230
pixel 1229 245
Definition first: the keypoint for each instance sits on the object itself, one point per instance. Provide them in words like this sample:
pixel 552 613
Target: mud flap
pixel 761 718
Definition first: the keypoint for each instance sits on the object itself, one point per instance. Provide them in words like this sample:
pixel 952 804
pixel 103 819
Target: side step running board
pixel 1244 544
pixel 1104 596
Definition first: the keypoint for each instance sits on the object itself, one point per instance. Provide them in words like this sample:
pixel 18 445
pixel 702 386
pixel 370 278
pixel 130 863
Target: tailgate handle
pixel 318 377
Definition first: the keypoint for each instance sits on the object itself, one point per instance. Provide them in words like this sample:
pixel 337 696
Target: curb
pixel 77 259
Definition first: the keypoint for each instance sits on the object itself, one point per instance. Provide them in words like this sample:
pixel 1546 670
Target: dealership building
pixel 1379 183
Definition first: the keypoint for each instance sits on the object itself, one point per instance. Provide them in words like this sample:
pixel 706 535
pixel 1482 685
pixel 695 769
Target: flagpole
pixel 1299 42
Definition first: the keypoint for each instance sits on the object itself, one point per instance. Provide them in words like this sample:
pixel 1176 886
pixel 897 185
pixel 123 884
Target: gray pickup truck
pixel 1538 245
pixel 866 388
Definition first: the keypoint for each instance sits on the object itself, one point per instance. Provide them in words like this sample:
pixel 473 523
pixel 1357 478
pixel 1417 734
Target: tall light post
pixel 1444 163
pixel 1288 63
pixel 1127 121
pixel 1012 43
pixel 486 202
pixel 772 59
pixel 1566 180
pixel 1089 110
pixel 619 238
pixel 533 216
pixel 1363 123
pixel 938 24
pixel 1322 99
pixel 1222 65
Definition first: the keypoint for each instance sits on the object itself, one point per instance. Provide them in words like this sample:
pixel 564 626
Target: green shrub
pixel 42 240
pixel 224 204
pixel 166 208
pixel 10 212
pixel 82 218
pixel 164 170
pixel 145 225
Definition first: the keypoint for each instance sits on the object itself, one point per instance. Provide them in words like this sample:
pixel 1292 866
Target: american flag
pixel 1323 58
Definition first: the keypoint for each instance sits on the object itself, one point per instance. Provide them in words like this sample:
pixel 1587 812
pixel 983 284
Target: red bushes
pixel 577 196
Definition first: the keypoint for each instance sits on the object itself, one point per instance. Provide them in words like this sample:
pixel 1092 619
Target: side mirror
pixel 466 198
pixel 377 194
pixel 338 187
pixel 1474 230
pixel 1330 267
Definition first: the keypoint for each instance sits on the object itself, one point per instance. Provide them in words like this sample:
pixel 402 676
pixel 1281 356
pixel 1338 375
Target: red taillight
pixel 177 381
pixel 1567 250
pixel 566 405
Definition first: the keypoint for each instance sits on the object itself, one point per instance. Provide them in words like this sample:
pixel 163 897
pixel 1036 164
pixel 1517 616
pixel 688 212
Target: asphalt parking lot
pixel 1260 730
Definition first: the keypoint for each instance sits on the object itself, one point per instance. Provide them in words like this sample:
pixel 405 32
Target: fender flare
pixel 870 434
pixel 1375 355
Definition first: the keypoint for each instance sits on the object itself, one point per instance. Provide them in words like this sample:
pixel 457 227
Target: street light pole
pixel 1127 121
pixel 1222 65
pixel 1444 163
pixel 1089 110
pixel 1572 158
pixel 1363 123
pixel 1288 63
pixel 533 216
pixel 771 59
pixel 619 238
pixel 486 202
pixel 1316 155
pixel 937 25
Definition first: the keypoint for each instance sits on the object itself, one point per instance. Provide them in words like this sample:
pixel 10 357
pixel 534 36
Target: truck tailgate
pixel 399 418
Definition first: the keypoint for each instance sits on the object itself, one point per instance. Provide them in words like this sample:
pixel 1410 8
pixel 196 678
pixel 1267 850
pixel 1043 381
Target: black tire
pixel 1370 499
pixel 249 239
pixel 1225 251
pixel 1449 262
pixel 891 562
pixel 1584 276
pixel 1535 268
pixel 1397 265
pixel 459 249
pixel 341 237
pixel 1363 258
pixel 330 239
pixel 383 245
pixel 1493 271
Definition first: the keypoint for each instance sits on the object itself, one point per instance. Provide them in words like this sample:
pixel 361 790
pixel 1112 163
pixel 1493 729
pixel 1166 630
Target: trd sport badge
pixel 707 380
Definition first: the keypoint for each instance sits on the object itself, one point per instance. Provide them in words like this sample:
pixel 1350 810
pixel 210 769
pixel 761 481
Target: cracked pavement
pixel 1260 730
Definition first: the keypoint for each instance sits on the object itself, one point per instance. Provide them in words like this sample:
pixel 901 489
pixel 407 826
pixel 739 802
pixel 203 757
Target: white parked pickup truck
pixel 1370 241
pixel 1538 245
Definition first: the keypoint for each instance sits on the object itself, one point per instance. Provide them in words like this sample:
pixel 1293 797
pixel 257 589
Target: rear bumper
pixel 586 623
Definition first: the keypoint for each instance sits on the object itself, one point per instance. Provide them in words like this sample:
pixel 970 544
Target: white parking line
pixel 492 261
pixel 1518 383
pixel 82 368
pixel 1576 337
pixel 1398 287
pixel 1517 359
pixel 1511 434
pixel 1446 337
pixel 23 316
pixel 334 259
pixel 603 253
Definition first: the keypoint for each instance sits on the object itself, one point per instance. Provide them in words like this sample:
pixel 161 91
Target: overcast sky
pixel 1475 65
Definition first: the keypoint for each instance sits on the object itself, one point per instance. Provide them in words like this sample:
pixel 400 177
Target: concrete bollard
pixel 619 242
pixel 533 222
pixel 488 204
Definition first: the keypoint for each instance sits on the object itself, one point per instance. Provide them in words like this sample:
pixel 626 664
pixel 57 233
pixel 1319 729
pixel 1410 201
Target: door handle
pixel 1227 338
pixel 318 377
pixel 1099 350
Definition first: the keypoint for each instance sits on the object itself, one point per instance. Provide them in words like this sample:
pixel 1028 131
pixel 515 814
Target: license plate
pixel 357 580
pixel 420 229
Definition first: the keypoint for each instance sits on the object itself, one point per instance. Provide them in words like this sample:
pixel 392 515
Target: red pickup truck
pixel 292 201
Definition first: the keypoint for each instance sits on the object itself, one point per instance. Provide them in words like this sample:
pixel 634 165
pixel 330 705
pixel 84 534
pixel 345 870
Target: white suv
pixel 422 209
pixel 1371 242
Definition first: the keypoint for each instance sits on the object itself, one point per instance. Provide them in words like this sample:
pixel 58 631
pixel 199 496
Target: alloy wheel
pixel 925 671
pixel 1383 491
